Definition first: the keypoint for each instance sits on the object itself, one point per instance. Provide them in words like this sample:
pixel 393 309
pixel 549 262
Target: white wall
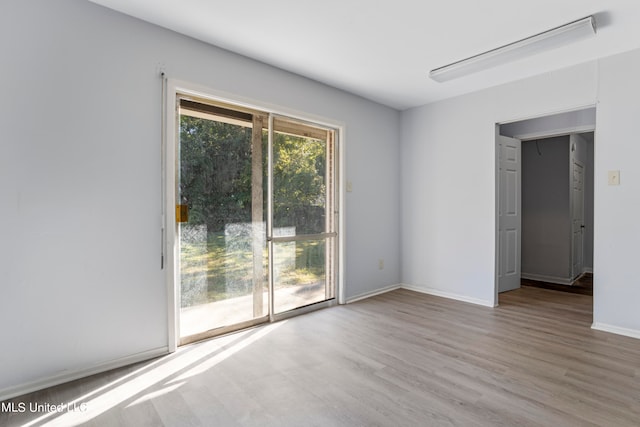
pixel 616 225
pixel 448 178
pixel 80 181
pixel 448 184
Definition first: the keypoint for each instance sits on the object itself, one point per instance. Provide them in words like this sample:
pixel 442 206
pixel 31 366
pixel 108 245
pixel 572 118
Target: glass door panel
pixel 222 236
pixel 256 212
pixel 302 208
pixel 299 274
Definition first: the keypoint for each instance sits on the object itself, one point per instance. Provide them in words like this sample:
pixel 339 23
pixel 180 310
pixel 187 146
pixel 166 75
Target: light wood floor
pixel 398 359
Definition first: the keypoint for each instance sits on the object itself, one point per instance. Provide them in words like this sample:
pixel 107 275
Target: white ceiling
pixel 383 50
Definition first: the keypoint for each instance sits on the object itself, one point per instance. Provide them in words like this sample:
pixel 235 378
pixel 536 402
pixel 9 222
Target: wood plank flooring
pixel 398 359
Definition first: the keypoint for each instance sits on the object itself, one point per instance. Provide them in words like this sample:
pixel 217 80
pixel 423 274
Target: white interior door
pixel 509 212
pixel 577 219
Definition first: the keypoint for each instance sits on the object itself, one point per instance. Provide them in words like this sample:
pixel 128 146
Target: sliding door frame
pixel 172 91
pixel 331 227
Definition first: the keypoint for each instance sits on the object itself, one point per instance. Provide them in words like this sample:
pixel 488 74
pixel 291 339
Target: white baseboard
pixel 438 293
pixel 372 293
pixel 588 270
pixel 66 376
pixel 633 333
pixel 548 279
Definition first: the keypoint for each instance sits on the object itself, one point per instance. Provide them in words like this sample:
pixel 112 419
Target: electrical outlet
pixel 349 187
pixel 381 264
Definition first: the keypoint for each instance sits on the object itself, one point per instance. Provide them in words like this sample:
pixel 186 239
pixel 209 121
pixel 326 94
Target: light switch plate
pixel 614 177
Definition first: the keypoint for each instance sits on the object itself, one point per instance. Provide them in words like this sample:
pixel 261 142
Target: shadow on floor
pixel 583 285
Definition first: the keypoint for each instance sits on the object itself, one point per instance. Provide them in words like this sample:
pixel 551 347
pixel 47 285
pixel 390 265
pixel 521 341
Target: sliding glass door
pixel 302 230
pixel 223 259
pixel 256 217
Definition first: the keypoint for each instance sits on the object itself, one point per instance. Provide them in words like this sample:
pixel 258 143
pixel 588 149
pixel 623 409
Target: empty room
pixel 291 213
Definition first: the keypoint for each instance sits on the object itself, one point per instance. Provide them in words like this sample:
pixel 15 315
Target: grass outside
pixel 220 267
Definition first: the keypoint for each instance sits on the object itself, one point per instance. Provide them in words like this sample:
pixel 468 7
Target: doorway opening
pixel 256 216
pixel 544 182
pixel 557 212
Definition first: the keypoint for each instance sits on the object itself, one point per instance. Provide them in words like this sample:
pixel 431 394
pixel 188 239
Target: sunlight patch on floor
pixel 186 362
